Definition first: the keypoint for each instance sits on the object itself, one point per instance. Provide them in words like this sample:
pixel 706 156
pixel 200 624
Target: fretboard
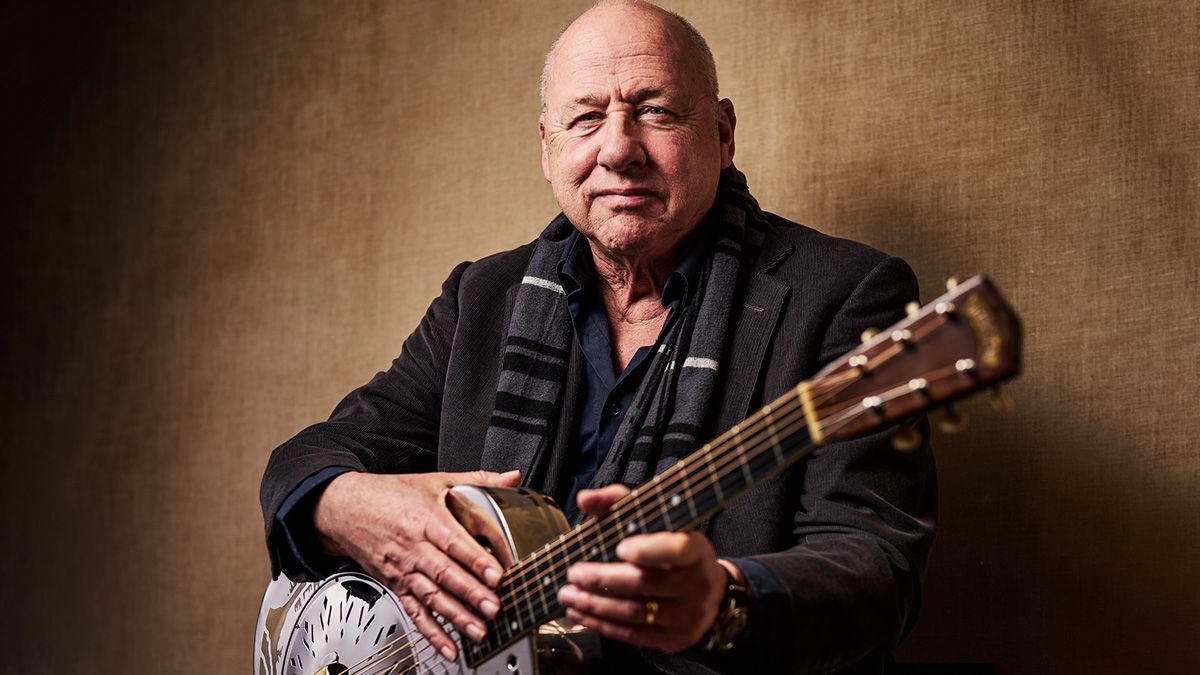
pixel 679 498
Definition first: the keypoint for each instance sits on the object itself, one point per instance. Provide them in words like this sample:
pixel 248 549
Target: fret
pixel 663 507
pixel 716 481
pixel 768 414
pixel 687 487
pixel 737 444
pixel 541 591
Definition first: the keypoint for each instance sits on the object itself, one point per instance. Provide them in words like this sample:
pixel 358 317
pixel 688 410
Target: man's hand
pixel 397 527
pixel 665 593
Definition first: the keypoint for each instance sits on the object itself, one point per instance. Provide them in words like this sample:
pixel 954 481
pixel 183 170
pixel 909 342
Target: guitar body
pixel 350 623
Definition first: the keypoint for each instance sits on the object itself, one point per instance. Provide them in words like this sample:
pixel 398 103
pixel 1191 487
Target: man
pixel 662 307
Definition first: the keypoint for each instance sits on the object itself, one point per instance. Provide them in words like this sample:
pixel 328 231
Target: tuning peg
pixel 951 283
pixel 1001 400
pixel 912 308
pixel 954 419
pixel 868 334
pixel 907 439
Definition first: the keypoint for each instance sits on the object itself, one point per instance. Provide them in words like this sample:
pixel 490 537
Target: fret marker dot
pixel 675 500
pixel 546 581
pixel 594 550
pixel 631 528
pixel 514 625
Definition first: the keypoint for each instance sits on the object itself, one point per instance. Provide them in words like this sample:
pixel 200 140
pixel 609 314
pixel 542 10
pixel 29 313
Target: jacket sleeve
pixel 864 525
pixel 389 425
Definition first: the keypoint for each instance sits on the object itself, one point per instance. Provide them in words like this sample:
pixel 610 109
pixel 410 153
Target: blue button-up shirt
pixel 606 394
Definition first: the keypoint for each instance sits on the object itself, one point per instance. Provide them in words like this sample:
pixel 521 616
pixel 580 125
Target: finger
pixel 449 536
pixel 445 604
pixel 666 549
pixel 597 502
pixel 625 580
pixel 488 478
pixel 447 574
pixel 428 626
pixel 635 612
pixel 653 637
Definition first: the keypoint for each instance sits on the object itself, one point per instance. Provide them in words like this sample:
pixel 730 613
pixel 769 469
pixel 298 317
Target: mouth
pixel 626 196
pixel 625 192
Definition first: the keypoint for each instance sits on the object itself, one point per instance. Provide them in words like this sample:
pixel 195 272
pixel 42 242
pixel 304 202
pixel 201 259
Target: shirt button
pixel 615 410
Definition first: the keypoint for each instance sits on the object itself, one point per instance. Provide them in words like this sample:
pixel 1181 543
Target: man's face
pixel 631 143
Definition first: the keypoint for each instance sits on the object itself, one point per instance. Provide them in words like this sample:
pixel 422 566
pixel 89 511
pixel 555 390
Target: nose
pixel 620 146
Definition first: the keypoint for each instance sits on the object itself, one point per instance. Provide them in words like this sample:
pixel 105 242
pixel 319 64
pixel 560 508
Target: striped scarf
pixel 666 420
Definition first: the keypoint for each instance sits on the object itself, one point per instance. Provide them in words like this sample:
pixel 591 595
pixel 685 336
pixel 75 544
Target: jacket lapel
pixel 753 333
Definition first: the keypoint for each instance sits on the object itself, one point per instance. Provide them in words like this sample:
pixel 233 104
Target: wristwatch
pixel 732 618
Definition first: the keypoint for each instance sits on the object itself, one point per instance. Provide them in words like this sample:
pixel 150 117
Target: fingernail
pixel 489 608
pixel 475 632
pixel 566 594
pixel 492 576
pixel 448 653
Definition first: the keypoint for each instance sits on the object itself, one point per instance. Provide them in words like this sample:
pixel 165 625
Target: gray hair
pixel 695 41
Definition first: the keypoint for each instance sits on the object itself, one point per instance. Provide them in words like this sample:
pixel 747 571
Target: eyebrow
pixel 637 96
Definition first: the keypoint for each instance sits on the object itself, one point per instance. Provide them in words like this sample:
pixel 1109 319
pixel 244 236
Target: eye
pixel 587 119
pixel 654 111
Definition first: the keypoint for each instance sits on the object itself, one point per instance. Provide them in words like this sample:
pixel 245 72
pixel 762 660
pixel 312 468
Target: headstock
pixel 963 341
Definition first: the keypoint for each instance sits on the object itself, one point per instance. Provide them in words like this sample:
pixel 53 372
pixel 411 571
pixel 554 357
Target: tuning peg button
pixel 951 283
pixel 1001 400
pixel 912 308
pixel 907 439
pixel 868 334
pixel 954 420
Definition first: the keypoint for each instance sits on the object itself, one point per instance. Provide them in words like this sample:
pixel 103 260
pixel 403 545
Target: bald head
pixel 638 15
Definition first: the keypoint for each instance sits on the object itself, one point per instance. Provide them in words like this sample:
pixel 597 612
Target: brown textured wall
pixel 220 218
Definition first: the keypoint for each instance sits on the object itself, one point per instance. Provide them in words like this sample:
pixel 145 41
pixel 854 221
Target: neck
pixel 631 285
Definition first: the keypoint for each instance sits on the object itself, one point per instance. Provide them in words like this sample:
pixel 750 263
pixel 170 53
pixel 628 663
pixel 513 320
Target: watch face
pixel 346 622
pixel 732 627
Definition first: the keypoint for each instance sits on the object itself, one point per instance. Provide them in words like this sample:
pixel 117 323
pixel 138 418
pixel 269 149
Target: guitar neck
pixel 677 499
pixel 966 339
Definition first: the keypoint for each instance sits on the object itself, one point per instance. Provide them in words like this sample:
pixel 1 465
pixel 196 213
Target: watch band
pixel 733 617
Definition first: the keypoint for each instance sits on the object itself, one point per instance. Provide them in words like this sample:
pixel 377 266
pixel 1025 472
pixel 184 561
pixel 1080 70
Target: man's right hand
pixel 397 527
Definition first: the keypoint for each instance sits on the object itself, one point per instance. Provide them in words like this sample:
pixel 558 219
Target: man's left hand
pixel 664 594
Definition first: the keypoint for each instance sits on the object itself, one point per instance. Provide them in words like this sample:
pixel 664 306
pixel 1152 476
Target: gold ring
pixel 651 612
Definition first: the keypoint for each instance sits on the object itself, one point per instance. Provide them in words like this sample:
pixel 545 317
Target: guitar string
pixel 850 412
pixel 600 529
pixel 378 651
pixel 790 425
pixel 604 532
pixel 829 387
pixel 658 490
pixel 391 668
pixel 836 383
pixel 569 548
pixel 413 654
pixel 832 424
pixel 785 404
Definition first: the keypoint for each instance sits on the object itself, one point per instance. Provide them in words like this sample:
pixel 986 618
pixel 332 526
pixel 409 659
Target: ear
pixel 545 149
pixel 726 122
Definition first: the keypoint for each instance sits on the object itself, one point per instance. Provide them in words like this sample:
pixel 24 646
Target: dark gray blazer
pixel 847 530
